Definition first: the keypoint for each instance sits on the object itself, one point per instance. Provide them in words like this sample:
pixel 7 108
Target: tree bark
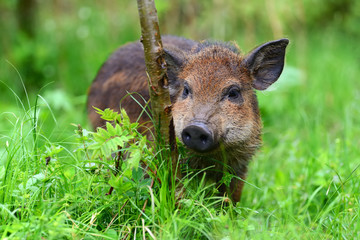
pixel 157 79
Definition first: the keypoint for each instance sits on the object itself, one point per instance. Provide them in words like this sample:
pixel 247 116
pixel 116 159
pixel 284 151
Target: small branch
pixel 152 171
pixel 158 80
pixel 156 68
pixel 118 159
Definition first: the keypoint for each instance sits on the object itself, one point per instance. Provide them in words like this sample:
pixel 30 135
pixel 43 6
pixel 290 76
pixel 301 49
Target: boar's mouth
pixel 198 137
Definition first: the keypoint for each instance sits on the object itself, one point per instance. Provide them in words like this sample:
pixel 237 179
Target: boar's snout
pixel 197 136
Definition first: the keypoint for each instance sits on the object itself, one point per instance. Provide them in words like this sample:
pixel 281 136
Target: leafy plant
pixel 119 152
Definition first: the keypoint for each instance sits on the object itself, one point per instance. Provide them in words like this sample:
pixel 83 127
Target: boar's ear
pixel 266 63
pixel 175 59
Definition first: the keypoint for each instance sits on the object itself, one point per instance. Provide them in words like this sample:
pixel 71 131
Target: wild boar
pixel 212 90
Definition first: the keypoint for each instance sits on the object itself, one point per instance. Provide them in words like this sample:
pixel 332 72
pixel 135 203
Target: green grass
pixel 304 182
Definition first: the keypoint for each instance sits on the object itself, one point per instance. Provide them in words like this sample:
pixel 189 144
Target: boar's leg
pixel 236 186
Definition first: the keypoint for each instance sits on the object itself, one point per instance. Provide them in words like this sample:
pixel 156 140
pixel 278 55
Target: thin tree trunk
pixel 158 80
pixel 26 14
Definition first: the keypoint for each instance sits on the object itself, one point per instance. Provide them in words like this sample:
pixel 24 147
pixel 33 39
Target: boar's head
pixel 212 90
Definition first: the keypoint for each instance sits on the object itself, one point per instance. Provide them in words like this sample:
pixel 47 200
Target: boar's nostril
pixel 198 137
pixel 204 139
pixel 187 136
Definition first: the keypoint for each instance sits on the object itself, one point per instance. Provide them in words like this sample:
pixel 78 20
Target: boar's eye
pixel 186 90
pixel 233 94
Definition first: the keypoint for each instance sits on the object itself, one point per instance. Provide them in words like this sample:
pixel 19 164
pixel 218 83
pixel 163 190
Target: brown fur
pixel 209 72
pixel 209 69
pixel 123 73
